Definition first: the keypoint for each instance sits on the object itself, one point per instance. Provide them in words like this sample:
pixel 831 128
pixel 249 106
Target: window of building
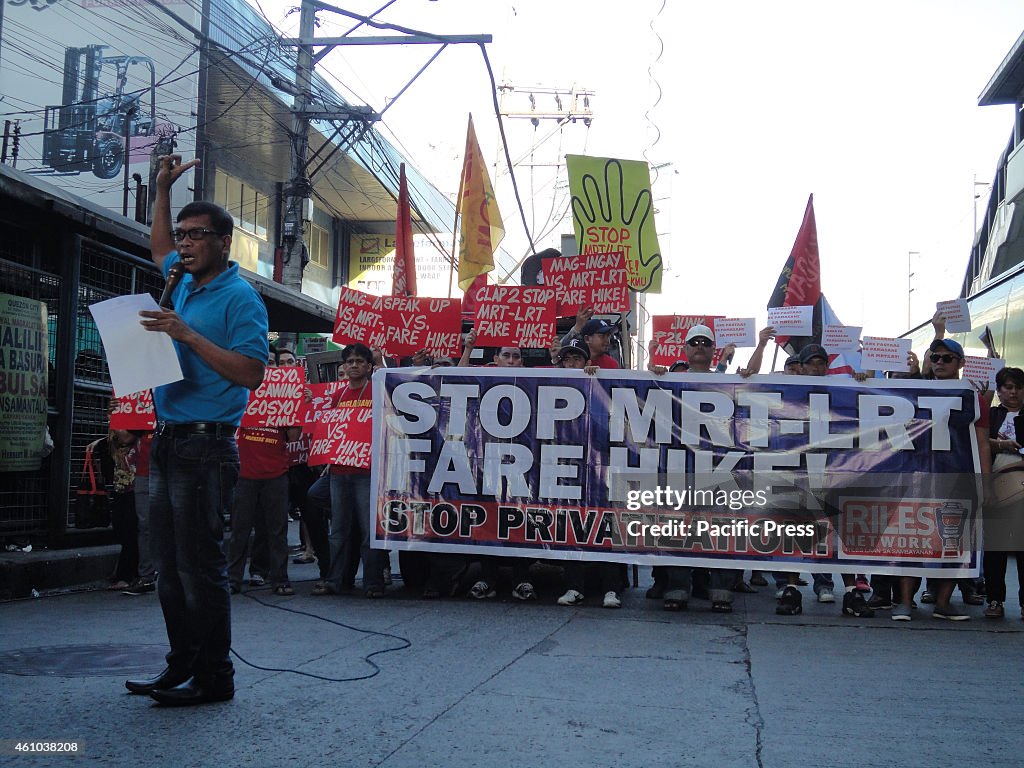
pixel 318 242
pixel 250 208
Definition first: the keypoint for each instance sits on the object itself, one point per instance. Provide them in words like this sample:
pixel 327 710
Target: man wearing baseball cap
pixel 597 336
pixel 814 362
pixel 576 355
pixel 947 358
pixel 700 349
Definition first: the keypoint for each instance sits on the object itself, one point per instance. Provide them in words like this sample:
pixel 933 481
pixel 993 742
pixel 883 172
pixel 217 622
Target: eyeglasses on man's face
pixel 195 234
pixel 942 358
pixel 700 341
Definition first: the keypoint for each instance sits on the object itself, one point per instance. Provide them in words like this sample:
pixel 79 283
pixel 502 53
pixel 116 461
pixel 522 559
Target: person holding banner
pixel 485 586
pixel 261 500
pixel 505 357
pixel 597 335
pixel 947 358
pixel 700 349
pixel 576 356
pixel 219 330
pixel 350 486
pixel 814 362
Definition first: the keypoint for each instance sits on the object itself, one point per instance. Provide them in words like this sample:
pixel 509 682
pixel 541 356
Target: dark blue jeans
pixel 191 484
pixel 350 502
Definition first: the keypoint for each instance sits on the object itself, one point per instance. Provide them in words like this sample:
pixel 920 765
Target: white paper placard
pixel 881 354
pixel 735 330
pixel 956 314
pixel 792 321
pixel 982 370
pixel 841 338
pixel 138 359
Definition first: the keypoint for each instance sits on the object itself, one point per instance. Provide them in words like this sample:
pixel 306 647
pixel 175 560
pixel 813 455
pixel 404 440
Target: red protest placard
pixel 669 335
pixel 359 319
pixel 134 411
pixel 278 401
pixel 596 279
pixel 412 323
pixel 322 397
pixel 343 436
pixel 515 315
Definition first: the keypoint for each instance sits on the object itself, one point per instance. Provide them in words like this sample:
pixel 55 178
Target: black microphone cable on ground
pixel 404 643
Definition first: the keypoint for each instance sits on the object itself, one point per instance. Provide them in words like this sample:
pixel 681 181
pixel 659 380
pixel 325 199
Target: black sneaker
pixel 791 603
pixel 140 587
pixel 854 605
pixel 880 603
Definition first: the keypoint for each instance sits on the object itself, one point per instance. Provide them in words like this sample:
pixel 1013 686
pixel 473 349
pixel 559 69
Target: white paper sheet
pixel 735 330
pixel 982 370
pixel 841 338
pixel 957 315
pixel 792 321
pixel 881 354
pixel 138 359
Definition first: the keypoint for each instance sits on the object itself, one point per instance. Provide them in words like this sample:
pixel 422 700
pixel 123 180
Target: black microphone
pixel 173 278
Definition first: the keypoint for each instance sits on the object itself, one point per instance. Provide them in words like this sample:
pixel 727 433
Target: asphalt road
pixel 499 683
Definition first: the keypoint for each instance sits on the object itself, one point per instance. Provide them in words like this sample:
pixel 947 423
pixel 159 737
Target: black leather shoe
pixel 191 693
pixel 169 678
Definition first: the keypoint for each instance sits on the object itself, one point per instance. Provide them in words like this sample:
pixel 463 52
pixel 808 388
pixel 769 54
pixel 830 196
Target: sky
pixel 746 108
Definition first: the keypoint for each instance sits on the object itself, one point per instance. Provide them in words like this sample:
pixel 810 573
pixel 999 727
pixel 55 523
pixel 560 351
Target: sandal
pixel 720 606
pixel 744 588
pixel 321 588
pixel 674 605
pixel 284 590
pixel 375 592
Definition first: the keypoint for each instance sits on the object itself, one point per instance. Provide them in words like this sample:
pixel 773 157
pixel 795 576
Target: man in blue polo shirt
pixel 219 328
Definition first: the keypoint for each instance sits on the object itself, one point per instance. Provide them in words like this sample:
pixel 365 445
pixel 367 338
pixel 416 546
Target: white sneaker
pixel 826 596
pixel 611 600
pixel 572 597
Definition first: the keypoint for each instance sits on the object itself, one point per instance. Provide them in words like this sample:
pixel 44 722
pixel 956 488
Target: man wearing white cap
pixel 700 349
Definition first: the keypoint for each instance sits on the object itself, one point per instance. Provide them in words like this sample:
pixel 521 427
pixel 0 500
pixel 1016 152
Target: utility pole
pixel 127 158
pixel 910 287
pixel 299 189
pixel 542 103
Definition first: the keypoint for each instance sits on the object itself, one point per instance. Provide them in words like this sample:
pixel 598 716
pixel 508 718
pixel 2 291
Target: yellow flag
pixel 481 229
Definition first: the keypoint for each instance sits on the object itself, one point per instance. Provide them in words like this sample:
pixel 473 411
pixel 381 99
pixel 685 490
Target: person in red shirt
pixel 597 335
pixel 350 486
pixel 262 492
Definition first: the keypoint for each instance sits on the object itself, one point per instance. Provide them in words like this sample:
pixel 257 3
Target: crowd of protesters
pixel 339 502
pixel 333 502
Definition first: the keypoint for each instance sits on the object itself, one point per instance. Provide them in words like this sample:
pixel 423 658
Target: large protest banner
pixel 782 472
pixel 24 358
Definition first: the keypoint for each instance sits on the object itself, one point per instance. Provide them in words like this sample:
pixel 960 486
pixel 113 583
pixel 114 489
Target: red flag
pixel 403 283
pixel 469 295
pixel 799 283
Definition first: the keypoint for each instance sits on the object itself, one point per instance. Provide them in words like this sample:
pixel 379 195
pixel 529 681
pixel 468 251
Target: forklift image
pixel 87 131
